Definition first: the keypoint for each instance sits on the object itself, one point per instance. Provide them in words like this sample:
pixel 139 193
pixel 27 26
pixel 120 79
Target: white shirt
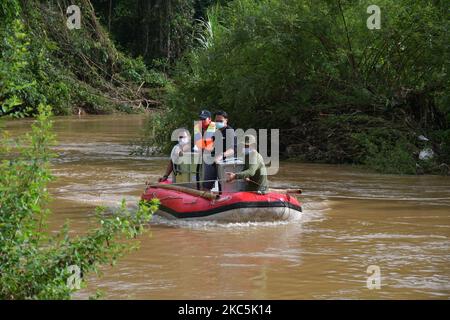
pixel 175 154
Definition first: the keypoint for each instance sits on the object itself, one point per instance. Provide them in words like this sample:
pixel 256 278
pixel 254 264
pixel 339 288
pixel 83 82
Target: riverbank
pixel 338 91
pixel 372 142
pixel 363 140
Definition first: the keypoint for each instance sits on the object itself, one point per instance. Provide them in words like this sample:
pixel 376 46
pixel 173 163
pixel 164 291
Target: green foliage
pixel 135 70
pixel 33 263
pixel 442 144
pixel 14 80
pixel 287 64
pixel 153 29
pixel 9 10
pixel 386 151
pixel 72 69
pixel 43 61
pixel 155 136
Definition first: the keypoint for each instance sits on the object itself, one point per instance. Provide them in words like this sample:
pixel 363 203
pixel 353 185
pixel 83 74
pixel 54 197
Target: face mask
pixel 247 151
pixel 183 141
pixel 220 125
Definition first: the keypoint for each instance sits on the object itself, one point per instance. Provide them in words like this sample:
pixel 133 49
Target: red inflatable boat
pixel 185 203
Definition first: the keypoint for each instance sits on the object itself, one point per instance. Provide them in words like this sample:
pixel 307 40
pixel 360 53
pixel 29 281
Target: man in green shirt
pixel 255 172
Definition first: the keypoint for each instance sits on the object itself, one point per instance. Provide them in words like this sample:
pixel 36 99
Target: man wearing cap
pixel 255 172
pixel 204 130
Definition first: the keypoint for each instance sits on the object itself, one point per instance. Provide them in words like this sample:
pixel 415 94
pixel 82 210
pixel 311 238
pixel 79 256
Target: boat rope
pixel 143 185
pixel 201 181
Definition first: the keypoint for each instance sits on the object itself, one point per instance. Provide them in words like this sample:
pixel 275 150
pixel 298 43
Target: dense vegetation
pixel 83 70
pixel 339 92
pixel 162 30
pixel 41 60
pixel 33 263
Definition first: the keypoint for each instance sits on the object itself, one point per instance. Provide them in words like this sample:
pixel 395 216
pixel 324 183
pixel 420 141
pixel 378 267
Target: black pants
pixel 209 173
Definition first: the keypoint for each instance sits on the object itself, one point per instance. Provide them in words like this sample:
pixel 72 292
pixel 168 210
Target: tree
pixel 153 29
pixel 313 69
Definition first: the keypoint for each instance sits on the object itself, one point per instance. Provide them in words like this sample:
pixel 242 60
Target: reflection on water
pixel 352 219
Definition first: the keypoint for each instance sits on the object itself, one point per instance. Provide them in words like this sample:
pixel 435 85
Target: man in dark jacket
pixel 228 149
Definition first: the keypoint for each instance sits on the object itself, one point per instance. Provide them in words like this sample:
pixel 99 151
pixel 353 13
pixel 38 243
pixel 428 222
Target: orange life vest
pixel 204 141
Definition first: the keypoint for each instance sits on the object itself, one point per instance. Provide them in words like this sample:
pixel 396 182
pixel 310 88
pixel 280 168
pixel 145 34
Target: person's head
pixel 205 118
pixel 249 144
pixel 221 119
pixel 250 141
pixel 184 137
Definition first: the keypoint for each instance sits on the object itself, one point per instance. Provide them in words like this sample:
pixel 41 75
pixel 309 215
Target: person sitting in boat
pixel 183 145
pixel 255 172
pixel 204 131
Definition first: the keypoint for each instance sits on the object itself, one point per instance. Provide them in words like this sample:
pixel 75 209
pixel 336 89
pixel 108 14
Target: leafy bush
pixel 15 83
pixel 135 70
pixel 386 151
pixel 442 144
pixel 33 263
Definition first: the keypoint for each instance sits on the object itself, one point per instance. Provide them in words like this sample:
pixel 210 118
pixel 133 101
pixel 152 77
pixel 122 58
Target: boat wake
pixel 212 224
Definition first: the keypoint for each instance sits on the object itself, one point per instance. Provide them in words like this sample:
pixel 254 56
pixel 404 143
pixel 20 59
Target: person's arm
pixel 255 162
pixel 232 150
pixel 174 154
pixel 228 152
pixel 169 170
pixel 250 172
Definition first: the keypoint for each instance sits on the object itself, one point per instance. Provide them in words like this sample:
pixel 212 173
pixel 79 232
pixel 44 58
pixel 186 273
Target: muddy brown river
pixel 353 219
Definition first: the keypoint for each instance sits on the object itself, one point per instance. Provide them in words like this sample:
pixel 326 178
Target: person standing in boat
pixel 183 145
pixel 204 131
pixel 225 142
pixel 228 149
pixel 255 172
